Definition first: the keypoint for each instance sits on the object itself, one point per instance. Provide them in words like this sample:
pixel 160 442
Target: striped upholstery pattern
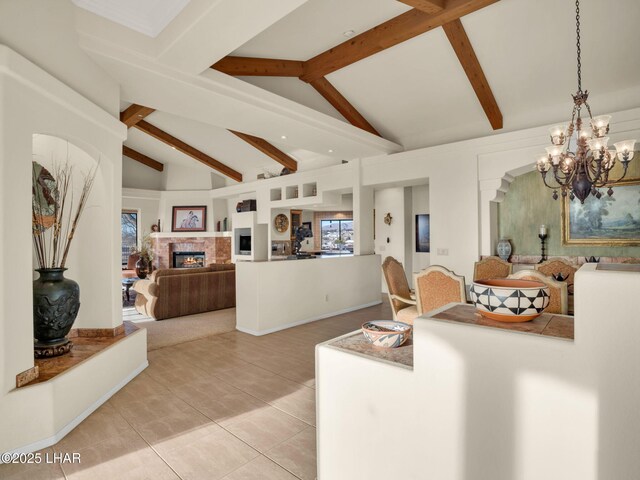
pixel 177 292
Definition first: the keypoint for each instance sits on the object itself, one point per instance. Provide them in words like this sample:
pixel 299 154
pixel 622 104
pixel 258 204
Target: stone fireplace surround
pixel 216 247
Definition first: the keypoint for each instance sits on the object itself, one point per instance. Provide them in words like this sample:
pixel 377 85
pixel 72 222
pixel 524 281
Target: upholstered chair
pixel 437 286
pixel 130 271
pixel 402 305
pixel 555 266
pixel 632 260
pixel 558 291
pixel 491 267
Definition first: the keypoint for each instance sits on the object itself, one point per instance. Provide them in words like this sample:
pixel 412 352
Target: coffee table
pixel 127 283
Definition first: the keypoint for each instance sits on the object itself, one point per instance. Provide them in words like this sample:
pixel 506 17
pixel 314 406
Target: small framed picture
pixel 189 219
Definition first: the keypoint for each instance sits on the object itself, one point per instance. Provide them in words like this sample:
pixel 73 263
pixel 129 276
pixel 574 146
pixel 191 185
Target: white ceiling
pixel 415 94
pixel 216 142
pixel 149 17
pixel 319 25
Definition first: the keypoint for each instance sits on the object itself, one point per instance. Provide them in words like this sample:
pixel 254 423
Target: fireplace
pixel 188 259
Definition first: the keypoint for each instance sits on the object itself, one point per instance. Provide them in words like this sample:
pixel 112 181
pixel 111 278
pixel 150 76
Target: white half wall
pixel 275 295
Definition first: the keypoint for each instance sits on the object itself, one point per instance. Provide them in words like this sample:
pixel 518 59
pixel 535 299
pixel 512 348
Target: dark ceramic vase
pixel 142 267
pixel 56 301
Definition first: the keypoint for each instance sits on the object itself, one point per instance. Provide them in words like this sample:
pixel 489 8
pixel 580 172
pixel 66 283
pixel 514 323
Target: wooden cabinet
pixel 296 221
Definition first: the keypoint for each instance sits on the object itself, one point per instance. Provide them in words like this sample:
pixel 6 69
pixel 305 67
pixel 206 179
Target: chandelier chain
pixel 578 45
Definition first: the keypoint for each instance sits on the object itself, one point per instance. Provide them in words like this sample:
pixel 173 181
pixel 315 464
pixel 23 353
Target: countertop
pixel 546 325
pixel 355 342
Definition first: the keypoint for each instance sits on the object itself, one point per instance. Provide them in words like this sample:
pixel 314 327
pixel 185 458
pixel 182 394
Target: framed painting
pixel 423 234
pixel 189 219
pixel 611 220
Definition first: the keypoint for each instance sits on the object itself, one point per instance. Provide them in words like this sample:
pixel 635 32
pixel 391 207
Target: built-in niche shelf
pixel 291 195
pixel 309 190
pixel 291 192
pixel 276 194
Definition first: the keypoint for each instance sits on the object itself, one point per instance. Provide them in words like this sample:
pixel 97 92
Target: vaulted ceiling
pixel 416 93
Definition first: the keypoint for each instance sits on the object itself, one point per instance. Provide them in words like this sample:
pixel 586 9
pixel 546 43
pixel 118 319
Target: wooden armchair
pixel 555 266
pixel 403 306
pixel 558 291
pixel 436 286
pixel 491 267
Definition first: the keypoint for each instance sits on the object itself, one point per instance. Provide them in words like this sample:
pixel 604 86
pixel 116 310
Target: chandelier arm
pixel 588 110
pixel 544 180
pixel 566 179
pixel 625 166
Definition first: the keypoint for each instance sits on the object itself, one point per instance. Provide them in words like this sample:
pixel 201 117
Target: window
pixel 337 235
pixel 129 220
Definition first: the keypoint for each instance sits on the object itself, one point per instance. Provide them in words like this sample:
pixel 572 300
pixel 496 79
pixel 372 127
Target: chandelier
pixel 584 169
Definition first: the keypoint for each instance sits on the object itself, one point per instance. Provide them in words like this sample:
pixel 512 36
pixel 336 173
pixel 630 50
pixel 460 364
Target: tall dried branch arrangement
pixel 55 212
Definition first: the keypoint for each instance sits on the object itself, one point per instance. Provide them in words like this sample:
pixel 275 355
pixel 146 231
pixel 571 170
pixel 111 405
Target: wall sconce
pixel 388 218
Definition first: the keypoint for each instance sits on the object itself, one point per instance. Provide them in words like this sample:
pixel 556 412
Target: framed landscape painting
pixel 189 219
pixel 611 220
pixel 423 240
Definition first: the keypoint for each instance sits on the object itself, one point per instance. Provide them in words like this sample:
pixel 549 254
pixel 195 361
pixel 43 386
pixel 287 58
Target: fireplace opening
pixel 188 259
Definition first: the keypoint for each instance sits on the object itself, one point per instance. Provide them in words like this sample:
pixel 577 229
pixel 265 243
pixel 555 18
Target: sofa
pixel 175 292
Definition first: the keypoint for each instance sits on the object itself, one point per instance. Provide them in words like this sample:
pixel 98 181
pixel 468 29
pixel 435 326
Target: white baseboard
pixel 47 442
pixel 259 333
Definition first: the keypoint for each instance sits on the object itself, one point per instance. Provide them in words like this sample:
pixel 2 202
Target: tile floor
pixel 231 406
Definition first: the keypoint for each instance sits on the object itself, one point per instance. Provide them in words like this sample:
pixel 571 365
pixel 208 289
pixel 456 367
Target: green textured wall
pixel 528 204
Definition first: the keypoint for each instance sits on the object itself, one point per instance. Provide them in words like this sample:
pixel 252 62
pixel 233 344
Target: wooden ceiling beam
pixel 464 50
pixel 392 32
pixel 269 150
pixel 181 146
pixel 134 114
pixel 427 6
pixel 256 67
pixel 342 105
pixel 142 158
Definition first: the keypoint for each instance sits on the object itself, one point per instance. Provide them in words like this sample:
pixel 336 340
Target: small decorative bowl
pixel 510 300
pixel 387 333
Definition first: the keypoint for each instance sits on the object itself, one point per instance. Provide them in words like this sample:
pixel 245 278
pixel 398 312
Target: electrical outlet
pixel 443 251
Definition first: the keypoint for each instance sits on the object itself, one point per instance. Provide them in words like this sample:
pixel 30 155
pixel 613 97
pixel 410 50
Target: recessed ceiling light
pixel 349 33
pixel 330 151
pixel 283 137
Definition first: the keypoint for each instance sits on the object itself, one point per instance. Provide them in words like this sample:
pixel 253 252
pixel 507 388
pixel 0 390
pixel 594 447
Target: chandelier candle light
pixel 581 170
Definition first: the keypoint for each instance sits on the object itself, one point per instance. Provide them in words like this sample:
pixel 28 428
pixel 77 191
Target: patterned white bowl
pixel 510 300
pixel 386 333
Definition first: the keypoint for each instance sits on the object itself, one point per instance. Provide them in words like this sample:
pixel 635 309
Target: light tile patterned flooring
pixel 231 406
